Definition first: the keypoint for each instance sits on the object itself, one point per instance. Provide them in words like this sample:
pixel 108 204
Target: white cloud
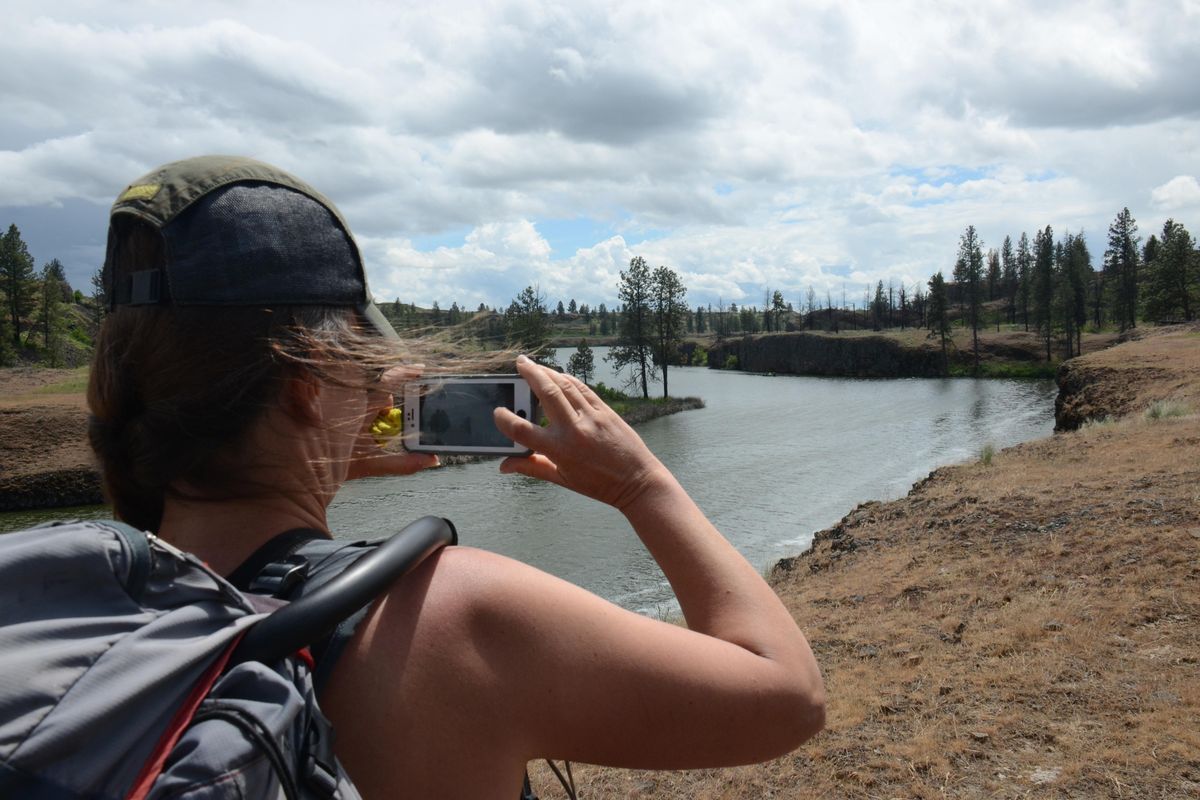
pixel 767 145
pixel 1182 191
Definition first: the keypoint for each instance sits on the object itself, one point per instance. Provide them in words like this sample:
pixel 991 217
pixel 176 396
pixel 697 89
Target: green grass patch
pixel 986 454
pixel 1028 370
pixel 75 383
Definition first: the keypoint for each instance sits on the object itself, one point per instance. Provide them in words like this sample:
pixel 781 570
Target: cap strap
pixel 145 287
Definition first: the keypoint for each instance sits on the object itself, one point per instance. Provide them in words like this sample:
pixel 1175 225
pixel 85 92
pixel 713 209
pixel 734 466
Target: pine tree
pixel 938 316
pixel 878 306
pixel 970 254
pixel 635 335
pixel 526 324
pixel 1074 267
pixel 669 310
pixel 582 364
pixel 778 309
pixel 17 279
pixel 1025 277
pixel 1009 278
pixel 993 274
pixel 1174 283
pixel 1042 291
pixel 51 320
pixel 1121 269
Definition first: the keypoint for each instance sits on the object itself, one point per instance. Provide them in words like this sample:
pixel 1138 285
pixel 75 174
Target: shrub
pixel 1164 409
pixel 607 394
pixel 731 362
pixel 699 356
pixel 986 453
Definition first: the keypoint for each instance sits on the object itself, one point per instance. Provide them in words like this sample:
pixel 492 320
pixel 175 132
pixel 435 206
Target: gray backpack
pixel 128 669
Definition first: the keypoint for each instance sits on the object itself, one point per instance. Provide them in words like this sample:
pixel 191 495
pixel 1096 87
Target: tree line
pixel 35 319
pixel 1048 285
pixel 1055 290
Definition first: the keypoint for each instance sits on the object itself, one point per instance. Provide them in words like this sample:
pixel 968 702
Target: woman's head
pixel 226 278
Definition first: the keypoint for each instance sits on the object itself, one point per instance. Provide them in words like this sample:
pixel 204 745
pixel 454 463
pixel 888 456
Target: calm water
pixel 771 459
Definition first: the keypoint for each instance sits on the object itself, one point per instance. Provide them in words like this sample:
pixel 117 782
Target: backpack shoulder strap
pixel 316 610
pixel 276 567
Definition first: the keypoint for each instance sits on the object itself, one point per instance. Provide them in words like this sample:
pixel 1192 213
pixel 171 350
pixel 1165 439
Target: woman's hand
pixel 370 459
pixel 587 447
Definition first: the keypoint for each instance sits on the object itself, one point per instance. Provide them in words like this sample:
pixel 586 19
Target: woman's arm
pixel 742 660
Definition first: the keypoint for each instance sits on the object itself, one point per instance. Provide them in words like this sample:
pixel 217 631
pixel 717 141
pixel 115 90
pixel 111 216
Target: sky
pixel 478 148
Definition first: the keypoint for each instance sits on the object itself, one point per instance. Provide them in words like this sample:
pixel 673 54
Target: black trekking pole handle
pixel 304 621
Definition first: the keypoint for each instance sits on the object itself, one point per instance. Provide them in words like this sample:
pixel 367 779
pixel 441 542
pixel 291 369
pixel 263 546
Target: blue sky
pixel 477 148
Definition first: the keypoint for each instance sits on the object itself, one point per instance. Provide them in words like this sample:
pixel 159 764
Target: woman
pixel 232 395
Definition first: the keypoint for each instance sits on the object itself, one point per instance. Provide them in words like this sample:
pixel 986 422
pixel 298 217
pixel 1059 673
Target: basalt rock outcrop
pixel 815 354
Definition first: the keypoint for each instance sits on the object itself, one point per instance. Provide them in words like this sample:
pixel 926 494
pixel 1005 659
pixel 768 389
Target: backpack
pixel 128 669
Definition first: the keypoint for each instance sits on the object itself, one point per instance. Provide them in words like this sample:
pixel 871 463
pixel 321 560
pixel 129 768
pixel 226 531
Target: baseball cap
pixel 238 232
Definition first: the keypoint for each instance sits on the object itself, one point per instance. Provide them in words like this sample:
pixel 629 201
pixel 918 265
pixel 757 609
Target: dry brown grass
pixel 1025 629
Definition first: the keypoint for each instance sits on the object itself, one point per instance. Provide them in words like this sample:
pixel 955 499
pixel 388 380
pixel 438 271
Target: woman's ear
pixel 301 398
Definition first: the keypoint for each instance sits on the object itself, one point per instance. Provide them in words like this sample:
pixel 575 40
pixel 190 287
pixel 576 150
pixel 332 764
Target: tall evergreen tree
pixel 582 363
pixel 1042 293
pixel 938 315
pixel 970 254
pixel 1074 275
pixel 51 318
pixel 993 274
pixel 17 279
pixel 100 297
pixel 635 332
pixel 1174 283
pixel 1121 269
pixel 669 310
pixel 1009 279
pixel 778 309
pixel 525 321
pixel 1150 251
pixel 878 307
pixel 1025 277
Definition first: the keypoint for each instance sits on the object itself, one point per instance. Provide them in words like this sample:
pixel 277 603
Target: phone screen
pixel 460 415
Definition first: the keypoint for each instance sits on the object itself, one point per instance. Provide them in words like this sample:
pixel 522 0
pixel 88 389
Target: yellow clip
pixel 387 425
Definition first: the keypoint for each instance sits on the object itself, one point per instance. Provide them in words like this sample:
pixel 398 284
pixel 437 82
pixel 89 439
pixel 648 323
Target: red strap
pixel 183 717
pixel 305 655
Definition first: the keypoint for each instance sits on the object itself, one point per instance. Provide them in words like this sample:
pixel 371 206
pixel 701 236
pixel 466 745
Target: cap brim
pixel 378 321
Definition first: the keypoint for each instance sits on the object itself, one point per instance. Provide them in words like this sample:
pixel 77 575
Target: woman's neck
pixel 225 532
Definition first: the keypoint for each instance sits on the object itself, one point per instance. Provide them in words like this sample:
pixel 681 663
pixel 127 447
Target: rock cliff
pixel 816 354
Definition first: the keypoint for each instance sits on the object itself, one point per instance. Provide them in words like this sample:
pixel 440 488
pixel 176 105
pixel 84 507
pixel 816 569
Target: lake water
pixel 771 460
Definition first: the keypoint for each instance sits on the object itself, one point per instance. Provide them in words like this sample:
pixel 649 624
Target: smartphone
pixel 453 414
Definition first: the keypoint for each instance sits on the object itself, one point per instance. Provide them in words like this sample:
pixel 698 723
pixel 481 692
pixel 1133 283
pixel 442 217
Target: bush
pixel 1164 409
pixel 609 395
pixel 699 356
pixel 731 362
pixel 986 453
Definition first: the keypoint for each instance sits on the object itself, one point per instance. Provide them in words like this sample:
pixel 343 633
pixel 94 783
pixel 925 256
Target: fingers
pixel 585 392
pixel 380 464
pixel 533 466
pixel 549 391
pixel 521 431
